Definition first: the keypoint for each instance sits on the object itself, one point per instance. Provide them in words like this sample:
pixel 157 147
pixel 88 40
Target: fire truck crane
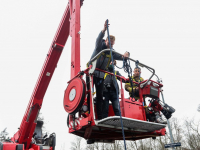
pixel 79 100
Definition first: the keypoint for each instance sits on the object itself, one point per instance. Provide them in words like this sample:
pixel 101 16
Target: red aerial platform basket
pixel 83 121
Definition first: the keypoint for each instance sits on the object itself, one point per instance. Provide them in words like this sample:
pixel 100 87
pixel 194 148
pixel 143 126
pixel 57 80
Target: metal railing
pixel 140 64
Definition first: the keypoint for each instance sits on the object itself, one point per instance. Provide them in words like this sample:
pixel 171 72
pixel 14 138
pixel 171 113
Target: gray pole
pixel 198 109
pixel 168 123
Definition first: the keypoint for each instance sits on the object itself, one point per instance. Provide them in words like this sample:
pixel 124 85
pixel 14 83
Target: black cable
pixel 116 87
pixel 128 69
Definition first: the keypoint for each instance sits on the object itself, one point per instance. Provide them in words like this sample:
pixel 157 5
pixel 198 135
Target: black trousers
pixel 98 82
pixel 136 93
pixel 113 97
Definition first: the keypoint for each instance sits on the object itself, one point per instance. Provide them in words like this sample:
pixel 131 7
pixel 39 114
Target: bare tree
pixel 177 130
pixel 116 146
pixel 96 146
pixel 76 144
pixel 138 145
pixel 132 145
pixel 41 118
pixel 90 147
pixel 3 135
pixel 192 134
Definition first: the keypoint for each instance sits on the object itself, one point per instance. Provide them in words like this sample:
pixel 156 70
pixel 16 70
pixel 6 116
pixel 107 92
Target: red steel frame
pixel 129 108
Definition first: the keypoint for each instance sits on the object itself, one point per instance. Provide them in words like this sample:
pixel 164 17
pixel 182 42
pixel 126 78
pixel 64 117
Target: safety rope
pixel 128 69
pixel 116 86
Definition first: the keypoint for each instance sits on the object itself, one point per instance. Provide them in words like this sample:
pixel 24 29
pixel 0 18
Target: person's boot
pixel 167 111
pixel 90 141
pixel 159 118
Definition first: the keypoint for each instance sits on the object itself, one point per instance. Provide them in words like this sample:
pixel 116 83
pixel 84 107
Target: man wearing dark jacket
pixel 102 63
pixel 109 92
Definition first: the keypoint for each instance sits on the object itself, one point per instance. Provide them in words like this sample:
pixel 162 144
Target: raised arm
pixel 99 42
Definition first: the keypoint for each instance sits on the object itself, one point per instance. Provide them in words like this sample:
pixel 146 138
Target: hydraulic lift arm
pixel 69 25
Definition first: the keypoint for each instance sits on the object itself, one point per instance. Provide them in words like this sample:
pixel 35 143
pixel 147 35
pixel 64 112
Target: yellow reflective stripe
pixel 133 83
pixel 141 79
pixel 101 54
pixel 130 89
pixel 109 56
pixel 107 74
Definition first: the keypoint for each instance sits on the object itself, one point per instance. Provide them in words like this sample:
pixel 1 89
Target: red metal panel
pixel 9 146
pixel 146 90
pixel 122 99
pixel 133 110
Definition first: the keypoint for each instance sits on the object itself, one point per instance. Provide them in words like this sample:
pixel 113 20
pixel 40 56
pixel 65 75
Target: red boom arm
pixel 70 24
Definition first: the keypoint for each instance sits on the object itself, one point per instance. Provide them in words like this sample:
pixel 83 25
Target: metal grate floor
pixel 133 124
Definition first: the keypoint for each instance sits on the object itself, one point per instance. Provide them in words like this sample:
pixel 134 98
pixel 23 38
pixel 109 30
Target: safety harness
pixel 107 74
pixel 105 55
pixel 140 80
pixel 109 58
